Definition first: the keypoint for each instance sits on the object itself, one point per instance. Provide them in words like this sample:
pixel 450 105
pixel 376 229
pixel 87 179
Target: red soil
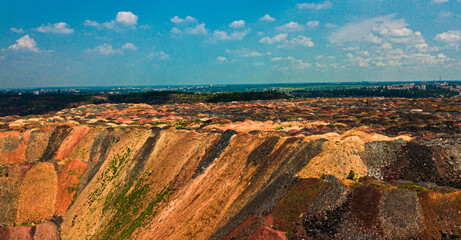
pixel 46 231
pixel 70 142
pixel 68 182
pixel 19 233
pixel 267 233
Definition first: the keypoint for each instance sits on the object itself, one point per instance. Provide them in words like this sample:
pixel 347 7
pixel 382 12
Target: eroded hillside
pixel 226 180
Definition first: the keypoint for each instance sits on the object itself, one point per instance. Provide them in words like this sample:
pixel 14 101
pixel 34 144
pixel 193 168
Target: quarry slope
pixel 230 181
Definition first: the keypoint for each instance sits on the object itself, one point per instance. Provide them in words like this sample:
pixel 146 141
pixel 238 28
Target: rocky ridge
pixel 228 180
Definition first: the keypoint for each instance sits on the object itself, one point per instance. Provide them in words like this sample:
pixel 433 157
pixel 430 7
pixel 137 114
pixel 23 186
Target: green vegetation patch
pixel 132 208
pixel 413 187
pixel 296 201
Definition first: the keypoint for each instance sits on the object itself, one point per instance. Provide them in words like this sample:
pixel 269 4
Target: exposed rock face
pixel 168 183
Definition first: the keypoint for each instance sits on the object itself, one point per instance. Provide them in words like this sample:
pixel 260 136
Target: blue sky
pixel 166 42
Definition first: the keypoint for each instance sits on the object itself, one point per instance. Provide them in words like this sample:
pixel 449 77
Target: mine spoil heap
pixel 197 171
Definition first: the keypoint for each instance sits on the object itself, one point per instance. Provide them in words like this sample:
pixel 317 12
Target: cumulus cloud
pixel 439 1
pixel 221 59
pixel 17 30
pixel 315 6
pixel 178 20
pixel 237 24
pixel 236 35
pixel 290 63
pixel 104 49
pixel 25 43
pixel 129 46
pixel 282 41
pixel 60 28
pixel 378 31
pixel 290 27
pixel 267 18
pixel 160 56
pixel 90 23
pixel 451 38
pixel 122 20
pixel 199 29
pixel 188 26
pixel 385 41
pixel 313 24
pixel 244 52
pixel 275 39
pixel 126 18
pixel 175 30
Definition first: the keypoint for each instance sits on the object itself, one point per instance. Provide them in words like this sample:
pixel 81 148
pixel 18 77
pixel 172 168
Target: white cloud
pixel 379 31
pixel 176 30
pixel 275 39
pixel 445 14
pixel 90 23
pixel 290 27
pixel 301 41
pixel 267 18
pixel 237 24
pixel 17 30
pixel 188 26
pixel 439 1
pixel 127 18
pixel 315 6
pixel 451 38
pixel 197 30
pixel 178 20
pixel 236 35
pixel 160 56
pixel 221 59
pixel 104 49
pixel 25 43
pixel 60 28
pixel 123 20
pixel 319 57
pixel 291 63
pixel 330 25
pixel 384 41
pixel 129 46
pixel 277 59
pixel 363 30
pixel 313 24
pixel 244 52
pixel 283 41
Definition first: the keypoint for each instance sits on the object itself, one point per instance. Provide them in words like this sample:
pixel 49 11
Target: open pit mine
pixel 234 171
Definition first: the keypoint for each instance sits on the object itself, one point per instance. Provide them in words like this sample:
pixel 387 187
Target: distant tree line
pixel 381 91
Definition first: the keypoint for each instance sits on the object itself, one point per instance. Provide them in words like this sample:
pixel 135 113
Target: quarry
pixel 338 168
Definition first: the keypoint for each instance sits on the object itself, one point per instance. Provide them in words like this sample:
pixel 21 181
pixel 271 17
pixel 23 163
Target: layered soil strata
pixel 226 181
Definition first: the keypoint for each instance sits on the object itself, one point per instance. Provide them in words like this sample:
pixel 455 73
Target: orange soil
pixel 68 182
pixel 38 194
pixel 12 147
pixel 71 141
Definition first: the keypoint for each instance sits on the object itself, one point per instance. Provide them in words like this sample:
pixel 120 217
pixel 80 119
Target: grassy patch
pixel 132 208
pixel 413 187
pixel 296 201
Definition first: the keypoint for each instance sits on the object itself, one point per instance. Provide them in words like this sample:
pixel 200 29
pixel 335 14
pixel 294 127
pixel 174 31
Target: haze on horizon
pixel 88 43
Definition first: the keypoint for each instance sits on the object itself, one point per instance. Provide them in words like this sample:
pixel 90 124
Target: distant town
pixel 44 100
pixel 288 88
